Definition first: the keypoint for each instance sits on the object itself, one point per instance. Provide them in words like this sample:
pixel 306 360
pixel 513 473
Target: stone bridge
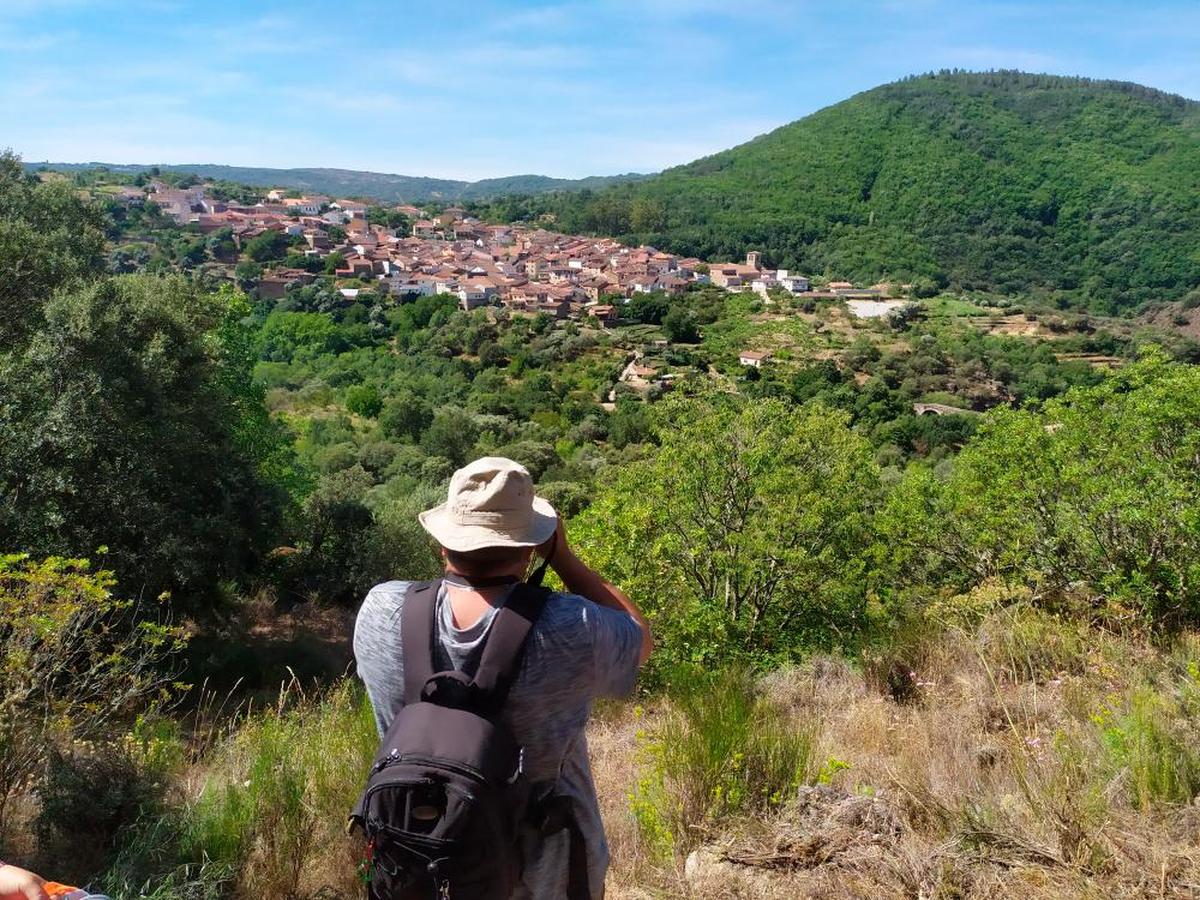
pixel 940 409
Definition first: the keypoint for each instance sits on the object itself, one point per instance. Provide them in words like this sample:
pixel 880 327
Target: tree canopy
pixel 48 237
pixel 757 544
pixel 130 420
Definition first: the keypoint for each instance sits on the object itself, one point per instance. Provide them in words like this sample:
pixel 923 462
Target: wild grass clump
pixel 184 881
pixel 721 749
pixel 1151 747
pixel 269 811
pixel 1024 643
pixel 282 792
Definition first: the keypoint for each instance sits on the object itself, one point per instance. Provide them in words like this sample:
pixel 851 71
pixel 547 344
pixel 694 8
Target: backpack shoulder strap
pixel 416 637
pixel 506 643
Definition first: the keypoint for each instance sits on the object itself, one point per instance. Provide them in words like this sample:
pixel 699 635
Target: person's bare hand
pixel 557 544
pixel 18 884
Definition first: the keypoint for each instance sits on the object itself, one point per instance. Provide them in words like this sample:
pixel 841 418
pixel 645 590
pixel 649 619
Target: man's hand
pixel 18 884
pixel 557 544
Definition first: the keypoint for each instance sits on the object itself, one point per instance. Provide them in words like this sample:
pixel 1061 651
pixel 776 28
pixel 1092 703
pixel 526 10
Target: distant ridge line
pixel 382 186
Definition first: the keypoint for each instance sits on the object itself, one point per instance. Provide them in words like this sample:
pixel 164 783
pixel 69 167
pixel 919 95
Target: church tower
pixel 754 259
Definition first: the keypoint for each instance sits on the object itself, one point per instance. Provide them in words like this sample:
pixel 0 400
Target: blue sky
pixel 479 89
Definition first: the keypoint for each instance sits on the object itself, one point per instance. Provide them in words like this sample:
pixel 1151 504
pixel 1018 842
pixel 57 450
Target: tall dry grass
pixel 1004 754
pixel 1019 756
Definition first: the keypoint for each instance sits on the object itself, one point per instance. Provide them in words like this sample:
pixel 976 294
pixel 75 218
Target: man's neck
pixel 470 599
pixel 478 582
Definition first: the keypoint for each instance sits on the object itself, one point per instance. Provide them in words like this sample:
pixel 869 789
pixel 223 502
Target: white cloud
pixel 537 19
pixel 13 40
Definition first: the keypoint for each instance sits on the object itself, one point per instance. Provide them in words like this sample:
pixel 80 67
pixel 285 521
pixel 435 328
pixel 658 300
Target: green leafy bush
pixel 74 659
pixel 1092 502
pixel 87 797
pixel 745 535
pixel 364 400
pixel 131 420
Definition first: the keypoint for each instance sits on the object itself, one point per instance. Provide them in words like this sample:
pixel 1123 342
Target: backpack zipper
pixel 385 762
pixel 396 758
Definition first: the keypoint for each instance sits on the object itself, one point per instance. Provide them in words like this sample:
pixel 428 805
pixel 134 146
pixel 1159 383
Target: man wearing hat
pixel 585 644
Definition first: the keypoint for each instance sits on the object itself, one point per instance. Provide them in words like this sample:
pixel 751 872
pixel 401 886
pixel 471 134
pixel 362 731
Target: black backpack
pixel 447 795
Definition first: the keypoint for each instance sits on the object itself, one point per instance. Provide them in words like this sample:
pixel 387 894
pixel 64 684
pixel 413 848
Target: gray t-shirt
pixel 576 651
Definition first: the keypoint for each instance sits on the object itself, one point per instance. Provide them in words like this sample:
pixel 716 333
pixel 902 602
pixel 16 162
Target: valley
pixel 888 420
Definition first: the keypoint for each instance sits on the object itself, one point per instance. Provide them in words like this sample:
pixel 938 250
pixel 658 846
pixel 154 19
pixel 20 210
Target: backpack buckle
pixel 453 690
pixel 520 766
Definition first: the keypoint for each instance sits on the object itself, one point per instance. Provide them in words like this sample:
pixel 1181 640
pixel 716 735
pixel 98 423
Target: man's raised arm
pixel 580 578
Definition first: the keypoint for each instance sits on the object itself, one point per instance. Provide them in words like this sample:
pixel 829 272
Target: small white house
pixel 304 206
pixel 797 284
pixel 754 358
pixel 349 207
pixel 402 283
pixel 473 296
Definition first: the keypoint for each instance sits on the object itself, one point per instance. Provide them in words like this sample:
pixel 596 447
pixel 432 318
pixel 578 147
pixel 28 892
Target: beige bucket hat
pixel 491 503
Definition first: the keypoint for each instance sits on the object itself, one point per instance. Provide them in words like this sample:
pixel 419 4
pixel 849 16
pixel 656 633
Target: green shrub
pixel 272 808
pixel 1092 501
pixel 753 550
pixel 86 798
pixel 721 750
pixel 74 659
pixel 1152 749
pixel 364 400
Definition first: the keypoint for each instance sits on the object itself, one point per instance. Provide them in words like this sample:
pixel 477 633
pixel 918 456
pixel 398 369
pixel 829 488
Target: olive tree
pixel 745 534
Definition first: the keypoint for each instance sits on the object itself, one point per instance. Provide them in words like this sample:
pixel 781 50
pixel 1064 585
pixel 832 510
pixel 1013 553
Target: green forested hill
pixel 488 188
pixel 1003 181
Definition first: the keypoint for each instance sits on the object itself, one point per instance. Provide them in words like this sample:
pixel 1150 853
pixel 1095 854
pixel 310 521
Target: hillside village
pixel 363 253
pixel 318 252
pixel 524 269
